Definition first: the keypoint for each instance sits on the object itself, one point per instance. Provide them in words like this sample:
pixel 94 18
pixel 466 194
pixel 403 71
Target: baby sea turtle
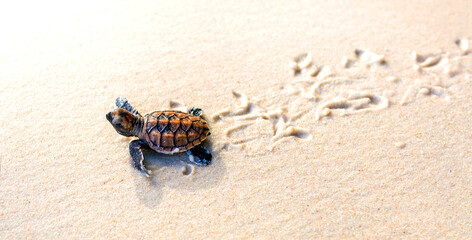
pixel 166 132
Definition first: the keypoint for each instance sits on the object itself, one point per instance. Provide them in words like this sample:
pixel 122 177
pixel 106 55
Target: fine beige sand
pixel 329 119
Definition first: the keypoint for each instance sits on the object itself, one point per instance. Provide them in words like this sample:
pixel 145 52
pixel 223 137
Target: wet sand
pixel 328 120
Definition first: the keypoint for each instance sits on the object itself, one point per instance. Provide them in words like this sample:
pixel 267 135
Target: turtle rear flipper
pixel 195 111
pixel 122 102
pixel 199 156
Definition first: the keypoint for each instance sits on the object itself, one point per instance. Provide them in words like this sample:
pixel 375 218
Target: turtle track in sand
pixel 321 92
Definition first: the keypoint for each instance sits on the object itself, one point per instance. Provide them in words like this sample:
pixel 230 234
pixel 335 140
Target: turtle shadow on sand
pixel 175 171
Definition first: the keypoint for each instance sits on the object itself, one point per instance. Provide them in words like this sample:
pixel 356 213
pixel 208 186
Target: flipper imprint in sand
pixel 322 92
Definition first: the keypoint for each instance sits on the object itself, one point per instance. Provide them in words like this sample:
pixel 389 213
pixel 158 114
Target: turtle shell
pixel 174 131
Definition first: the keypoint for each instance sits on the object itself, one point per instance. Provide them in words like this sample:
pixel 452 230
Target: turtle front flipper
pixel 122 102
pixel 135 149
pixel 199 156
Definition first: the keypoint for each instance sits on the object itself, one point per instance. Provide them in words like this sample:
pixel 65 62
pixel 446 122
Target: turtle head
pixel 123 121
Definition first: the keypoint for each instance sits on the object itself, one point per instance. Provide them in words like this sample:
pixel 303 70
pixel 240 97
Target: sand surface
pixel 329 119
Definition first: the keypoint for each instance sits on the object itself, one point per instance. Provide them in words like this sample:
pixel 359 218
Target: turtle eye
pixel 119 125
